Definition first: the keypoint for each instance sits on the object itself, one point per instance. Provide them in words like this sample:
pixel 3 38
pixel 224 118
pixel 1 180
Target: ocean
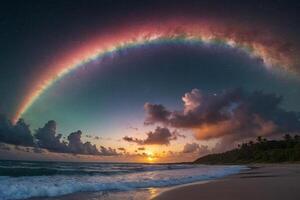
pixel 60 180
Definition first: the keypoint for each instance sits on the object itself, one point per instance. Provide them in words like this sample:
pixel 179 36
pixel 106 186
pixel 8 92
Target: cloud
pixel 196 148
pixel 121 149
pixel 190 148
pixel 131 139
pixel 18 134
pixel 233 113
pixel 77 146
pixel 108 151
pixel 141 149
pixel 48 139
pixel 132 128
pixel 156 113
pixel 160 136
pixel 192 100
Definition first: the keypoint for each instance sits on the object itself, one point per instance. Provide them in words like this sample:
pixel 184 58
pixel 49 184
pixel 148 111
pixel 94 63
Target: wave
pixel 16 169
pixel 12 188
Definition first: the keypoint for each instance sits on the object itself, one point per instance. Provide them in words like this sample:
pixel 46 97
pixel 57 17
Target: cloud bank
pixel 233 114
pixel 18 134
pixel 48 138
pixel 160 136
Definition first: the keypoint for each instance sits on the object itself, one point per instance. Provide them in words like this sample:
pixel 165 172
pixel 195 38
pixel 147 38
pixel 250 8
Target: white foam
pixel 48 186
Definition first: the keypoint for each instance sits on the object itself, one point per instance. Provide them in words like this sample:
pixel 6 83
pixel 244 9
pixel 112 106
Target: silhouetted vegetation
pixel 261 151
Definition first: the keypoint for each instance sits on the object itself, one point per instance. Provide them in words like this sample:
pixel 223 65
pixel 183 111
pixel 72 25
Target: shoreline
pixel 134 194
pixel 261 181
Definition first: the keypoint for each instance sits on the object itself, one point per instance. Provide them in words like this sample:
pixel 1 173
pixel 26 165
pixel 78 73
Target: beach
pixel 262 181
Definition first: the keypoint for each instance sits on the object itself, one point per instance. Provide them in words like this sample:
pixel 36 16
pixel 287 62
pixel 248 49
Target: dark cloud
pixel 190 148
pixel 233 113
pixel 78 147
pixel 132 128
pixel 132 139
pixel 108 151
pixel 18 134
pixel 196 148
pixel 121 149
pixel 48 139
pixel 156 113
pixel 160 136
pixel 141 149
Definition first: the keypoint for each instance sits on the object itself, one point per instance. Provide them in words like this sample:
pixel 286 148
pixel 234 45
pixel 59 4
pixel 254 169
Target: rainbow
pixel 268 49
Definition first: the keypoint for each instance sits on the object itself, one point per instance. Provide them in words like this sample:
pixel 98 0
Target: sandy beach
pixel 274 181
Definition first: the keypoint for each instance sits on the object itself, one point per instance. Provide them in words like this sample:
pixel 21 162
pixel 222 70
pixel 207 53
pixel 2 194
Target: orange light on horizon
pixel 150 156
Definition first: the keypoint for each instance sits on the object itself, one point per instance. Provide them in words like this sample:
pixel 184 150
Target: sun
pixel 150 156
pixel 150 159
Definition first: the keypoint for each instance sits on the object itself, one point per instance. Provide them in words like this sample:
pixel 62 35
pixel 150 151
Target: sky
pixel 145 81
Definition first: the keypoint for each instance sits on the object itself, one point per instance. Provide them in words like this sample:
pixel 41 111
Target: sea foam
pixel 157 176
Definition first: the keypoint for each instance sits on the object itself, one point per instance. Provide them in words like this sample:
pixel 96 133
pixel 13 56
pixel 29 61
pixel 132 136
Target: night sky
pixel 154 89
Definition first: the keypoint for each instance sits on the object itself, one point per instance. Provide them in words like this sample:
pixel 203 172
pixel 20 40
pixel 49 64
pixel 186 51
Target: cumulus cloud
pixel 156 112
pixel 192 100
pixel 78 147
pixel 160 136
pixel 108 151
pixel 233 113
pixel 48 139
pixel 190 148
pixel 18 134
pixel 132 128
pixel 195 148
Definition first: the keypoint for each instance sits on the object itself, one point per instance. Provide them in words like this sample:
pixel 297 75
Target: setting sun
pixel 150 159
pixel 150 156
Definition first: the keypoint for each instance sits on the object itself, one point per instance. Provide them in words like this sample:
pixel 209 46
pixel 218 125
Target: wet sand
pixel 267 182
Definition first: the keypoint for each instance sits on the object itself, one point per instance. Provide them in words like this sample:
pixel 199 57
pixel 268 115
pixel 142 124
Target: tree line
pixel 262 150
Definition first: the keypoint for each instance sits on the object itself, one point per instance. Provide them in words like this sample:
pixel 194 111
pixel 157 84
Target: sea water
pixel 21 180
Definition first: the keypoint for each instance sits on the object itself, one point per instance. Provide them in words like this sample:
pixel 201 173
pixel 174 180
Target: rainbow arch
pixel 115 39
